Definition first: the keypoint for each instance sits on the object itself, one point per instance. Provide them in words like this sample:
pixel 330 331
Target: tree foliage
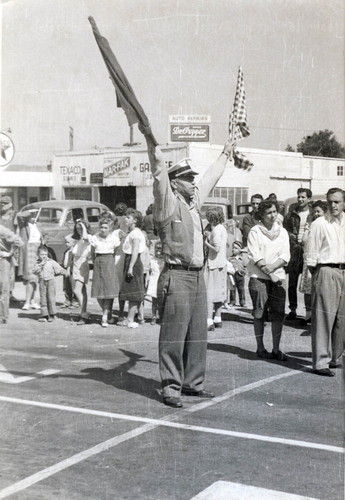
pixel 322 143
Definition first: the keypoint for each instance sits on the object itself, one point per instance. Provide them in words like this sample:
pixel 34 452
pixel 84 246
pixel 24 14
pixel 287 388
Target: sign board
pixel 189 132
pixel 189 119
pixel 6 149
pixel 96 178
pixel 118 168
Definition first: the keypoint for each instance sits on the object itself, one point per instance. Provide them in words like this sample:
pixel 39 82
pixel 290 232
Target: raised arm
pixel 164 198
pixel 211 176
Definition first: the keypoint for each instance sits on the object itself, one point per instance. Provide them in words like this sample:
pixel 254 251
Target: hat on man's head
pixel 5 199
pixel 181 168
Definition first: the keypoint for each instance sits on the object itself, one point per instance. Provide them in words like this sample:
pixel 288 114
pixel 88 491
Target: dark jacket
pixel 249 221
pixel 292 223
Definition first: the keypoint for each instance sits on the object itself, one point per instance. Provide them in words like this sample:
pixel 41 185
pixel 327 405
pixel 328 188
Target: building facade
pixel 113 175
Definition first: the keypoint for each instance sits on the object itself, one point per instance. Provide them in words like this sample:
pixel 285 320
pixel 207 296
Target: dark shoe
pixel 198 394
pixel 291 316
pixel 173 402
pixel 333 364
pixel 153 320
pixel 243 304
pixel 279 356
pixel 324 372
pixel 263 354
pixel 218 325
pixel 82 321
pixel 210 328
pixel 51 319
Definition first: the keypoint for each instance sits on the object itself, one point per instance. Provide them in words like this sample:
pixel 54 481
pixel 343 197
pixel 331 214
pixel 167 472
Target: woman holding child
pixel 268 253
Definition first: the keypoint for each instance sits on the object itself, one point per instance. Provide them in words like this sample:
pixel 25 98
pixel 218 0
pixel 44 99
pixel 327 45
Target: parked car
pixel 57 219
pixel 223 203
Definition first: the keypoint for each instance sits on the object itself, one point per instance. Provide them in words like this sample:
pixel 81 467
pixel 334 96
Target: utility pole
pixel 71 138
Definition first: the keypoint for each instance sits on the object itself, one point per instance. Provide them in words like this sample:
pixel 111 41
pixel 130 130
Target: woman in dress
pixel 80 267
pixel 104 283
pixel 31 235
pixel 132 288
pixel 216 267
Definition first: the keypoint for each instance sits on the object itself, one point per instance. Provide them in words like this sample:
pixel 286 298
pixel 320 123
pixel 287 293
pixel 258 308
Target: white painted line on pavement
pixel 12 352
pixel 225 490
pixel 49 371
pixel 75 459
pixel 168 421
pixel 7 377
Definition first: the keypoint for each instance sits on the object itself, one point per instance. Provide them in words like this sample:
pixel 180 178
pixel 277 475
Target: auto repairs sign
pixel 189 128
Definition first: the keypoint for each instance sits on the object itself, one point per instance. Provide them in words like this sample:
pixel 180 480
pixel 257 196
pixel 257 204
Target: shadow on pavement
pixel 121 378
pixel 227 316
pixel 293 362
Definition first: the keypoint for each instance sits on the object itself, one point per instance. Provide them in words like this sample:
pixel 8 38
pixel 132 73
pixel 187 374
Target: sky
pixel 181 57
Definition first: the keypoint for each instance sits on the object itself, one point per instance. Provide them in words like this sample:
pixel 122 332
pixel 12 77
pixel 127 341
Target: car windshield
pixel 49 215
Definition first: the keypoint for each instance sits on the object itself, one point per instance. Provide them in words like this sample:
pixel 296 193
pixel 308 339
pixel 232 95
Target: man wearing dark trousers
pixel 181 286
pixel 296 222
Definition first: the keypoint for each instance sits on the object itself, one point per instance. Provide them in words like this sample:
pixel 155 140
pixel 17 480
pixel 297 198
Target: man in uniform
pixel 326 262
pixel 181 286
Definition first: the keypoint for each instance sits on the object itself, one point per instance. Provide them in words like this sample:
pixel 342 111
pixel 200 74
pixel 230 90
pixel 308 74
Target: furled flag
pixel 125 96
pixel 238 128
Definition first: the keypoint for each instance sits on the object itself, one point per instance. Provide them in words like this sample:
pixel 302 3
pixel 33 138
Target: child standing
pixel 239 266
pixel 156 265
pixel 68 280
pixel 46 269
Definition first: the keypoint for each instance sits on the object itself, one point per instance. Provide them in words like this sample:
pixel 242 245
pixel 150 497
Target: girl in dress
pixel 80 267
pixel 132 288
pixel 216 267
pixel 104 283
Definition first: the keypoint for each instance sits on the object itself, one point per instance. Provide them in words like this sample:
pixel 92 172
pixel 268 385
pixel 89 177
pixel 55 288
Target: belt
pixel 98 254
pixel 180 267
pixel 338 266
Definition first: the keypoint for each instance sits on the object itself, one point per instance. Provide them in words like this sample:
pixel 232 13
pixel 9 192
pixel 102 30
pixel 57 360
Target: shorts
pixel 268 299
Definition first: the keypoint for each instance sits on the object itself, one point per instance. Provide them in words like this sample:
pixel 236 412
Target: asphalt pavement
pixel 82 416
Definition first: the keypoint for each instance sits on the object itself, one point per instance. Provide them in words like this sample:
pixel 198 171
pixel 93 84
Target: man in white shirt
pixel 326 261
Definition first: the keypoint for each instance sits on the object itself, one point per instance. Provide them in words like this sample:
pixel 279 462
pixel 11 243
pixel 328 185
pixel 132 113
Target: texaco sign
pixel 7 150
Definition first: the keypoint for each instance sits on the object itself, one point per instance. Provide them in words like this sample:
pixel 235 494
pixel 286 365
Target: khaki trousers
pixel 183 334
pixel 327 316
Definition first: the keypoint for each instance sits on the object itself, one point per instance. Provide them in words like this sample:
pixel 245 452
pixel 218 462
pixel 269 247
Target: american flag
pixel 238 128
